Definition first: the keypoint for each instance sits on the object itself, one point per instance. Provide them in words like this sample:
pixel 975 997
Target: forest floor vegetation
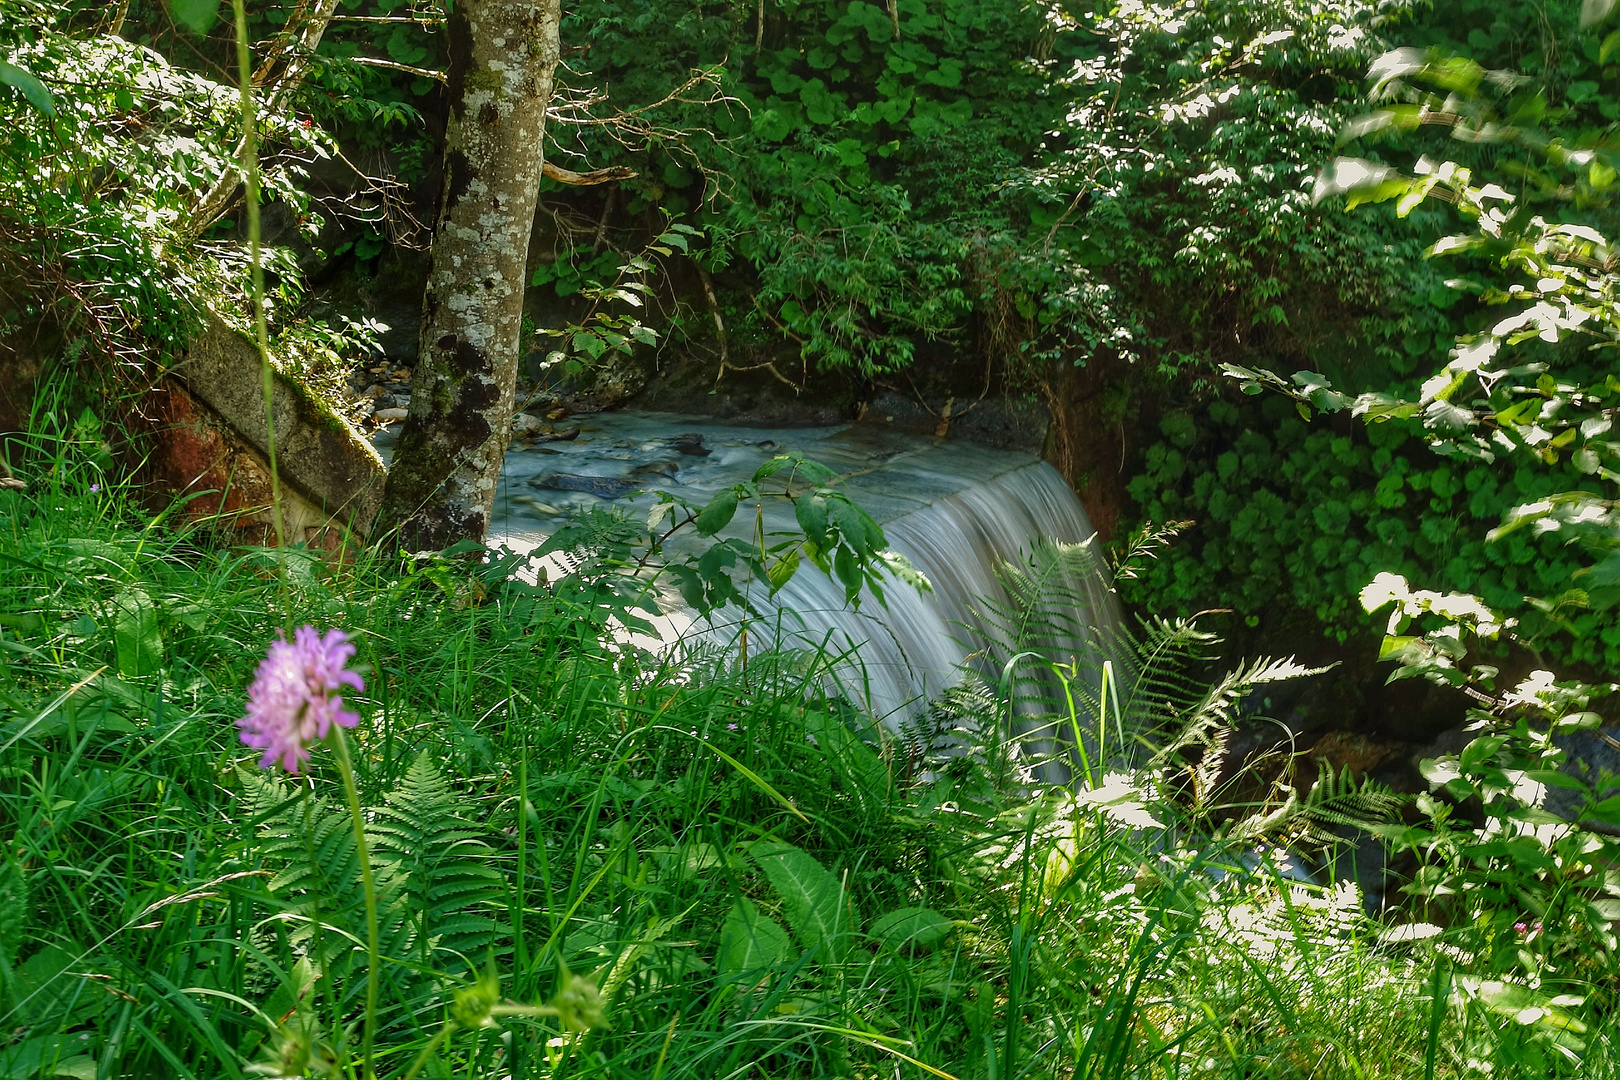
pixel 593 861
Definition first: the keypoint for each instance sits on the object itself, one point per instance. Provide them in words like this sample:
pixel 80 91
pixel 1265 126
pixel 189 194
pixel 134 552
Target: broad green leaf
pixel 196 15
pixel 814 901
pixel 589 344
pixel 718 514
pixel 1610 44
pixel 848 570
pixel 1481 750
pixel 900 566
pixel 811 512
pixel 750 941
pixel 913 928
pixel 135 633
pixel 772 467
pixel 1607 811
pixel 782 570
pixel 31 88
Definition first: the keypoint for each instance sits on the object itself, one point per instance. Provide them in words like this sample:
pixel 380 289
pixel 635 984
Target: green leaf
pixel 1610 44
pixel 772 467
pixel 135 633
pixel 782 570
pixel 1481 750
pixel 811 513
pixel 1607 811
pixel 848 570
pixel 750 941
pixel 196 15
pixel 813 900
pixel 589 344
pixel 912 927
pixel 32 89
pixel 718 514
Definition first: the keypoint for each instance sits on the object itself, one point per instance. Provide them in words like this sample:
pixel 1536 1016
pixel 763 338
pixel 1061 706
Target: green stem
pixel 427 1051
pixel 347 769
pixel 261 333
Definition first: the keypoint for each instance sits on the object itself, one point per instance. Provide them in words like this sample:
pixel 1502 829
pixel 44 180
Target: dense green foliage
pixel 723 851
pixel 1031 184
pixel 1293 518
pixel 752 874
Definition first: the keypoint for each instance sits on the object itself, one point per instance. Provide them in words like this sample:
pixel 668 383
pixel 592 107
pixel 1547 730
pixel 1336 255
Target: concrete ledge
pixel 207 422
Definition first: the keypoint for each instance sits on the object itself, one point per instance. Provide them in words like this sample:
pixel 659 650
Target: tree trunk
pixel 441 487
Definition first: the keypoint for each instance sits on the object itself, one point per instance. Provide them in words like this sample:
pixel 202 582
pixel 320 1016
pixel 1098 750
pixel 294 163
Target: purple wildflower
pixel 293 700
pixel 94 488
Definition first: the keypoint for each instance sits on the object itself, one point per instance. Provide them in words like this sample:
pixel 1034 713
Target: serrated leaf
pixel 811 513
pixel 718 514
pixel 750 941
pixel 813 900
pixel 772 467
pixel 847 568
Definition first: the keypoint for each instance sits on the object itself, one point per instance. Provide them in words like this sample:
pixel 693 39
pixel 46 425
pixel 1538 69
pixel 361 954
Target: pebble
pixel 388 416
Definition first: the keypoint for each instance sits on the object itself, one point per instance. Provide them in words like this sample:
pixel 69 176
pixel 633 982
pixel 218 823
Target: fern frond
pixel 441 863
pixel 1215 707
pixel 318 877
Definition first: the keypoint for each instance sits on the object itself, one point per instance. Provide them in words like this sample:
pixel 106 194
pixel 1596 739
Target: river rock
pixel 553 435
pixel 605 487
pixel 690 444
pixel 1593 757
pixel 655 468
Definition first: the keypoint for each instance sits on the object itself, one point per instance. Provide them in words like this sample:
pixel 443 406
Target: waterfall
pixel 954 509
pixel 911 651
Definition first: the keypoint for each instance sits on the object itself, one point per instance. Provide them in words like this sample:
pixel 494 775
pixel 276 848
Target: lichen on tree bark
pixel 441 487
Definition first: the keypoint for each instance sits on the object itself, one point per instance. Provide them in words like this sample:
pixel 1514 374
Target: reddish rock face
pixel 193 454
pixel 1083 446
pixel 201 435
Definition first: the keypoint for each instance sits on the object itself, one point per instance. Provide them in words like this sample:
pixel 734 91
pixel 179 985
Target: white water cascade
pixel 955 509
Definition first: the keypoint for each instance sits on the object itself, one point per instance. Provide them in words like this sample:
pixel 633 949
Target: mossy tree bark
pixel 441 487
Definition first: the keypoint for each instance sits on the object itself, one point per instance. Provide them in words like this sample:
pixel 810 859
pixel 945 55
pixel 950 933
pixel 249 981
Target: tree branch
pixel 585 179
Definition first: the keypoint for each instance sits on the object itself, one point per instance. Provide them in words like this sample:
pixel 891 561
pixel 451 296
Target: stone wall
pixel 209 437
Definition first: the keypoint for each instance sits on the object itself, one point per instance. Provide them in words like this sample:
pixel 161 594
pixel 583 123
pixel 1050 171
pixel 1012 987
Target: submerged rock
pixel 656 468
pixel 604 487
pixel 690 444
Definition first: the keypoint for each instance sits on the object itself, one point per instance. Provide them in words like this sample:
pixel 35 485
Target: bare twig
pixel 586 179
pixel 714 309
pixel 424 21
pixel 602 222
pixel 390 65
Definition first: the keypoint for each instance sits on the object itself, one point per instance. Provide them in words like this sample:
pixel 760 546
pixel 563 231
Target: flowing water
pixel 955 509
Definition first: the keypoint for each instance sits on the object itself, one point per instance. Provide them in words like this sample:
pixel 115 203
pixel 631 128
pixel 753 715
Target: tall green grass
pixel 762 883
